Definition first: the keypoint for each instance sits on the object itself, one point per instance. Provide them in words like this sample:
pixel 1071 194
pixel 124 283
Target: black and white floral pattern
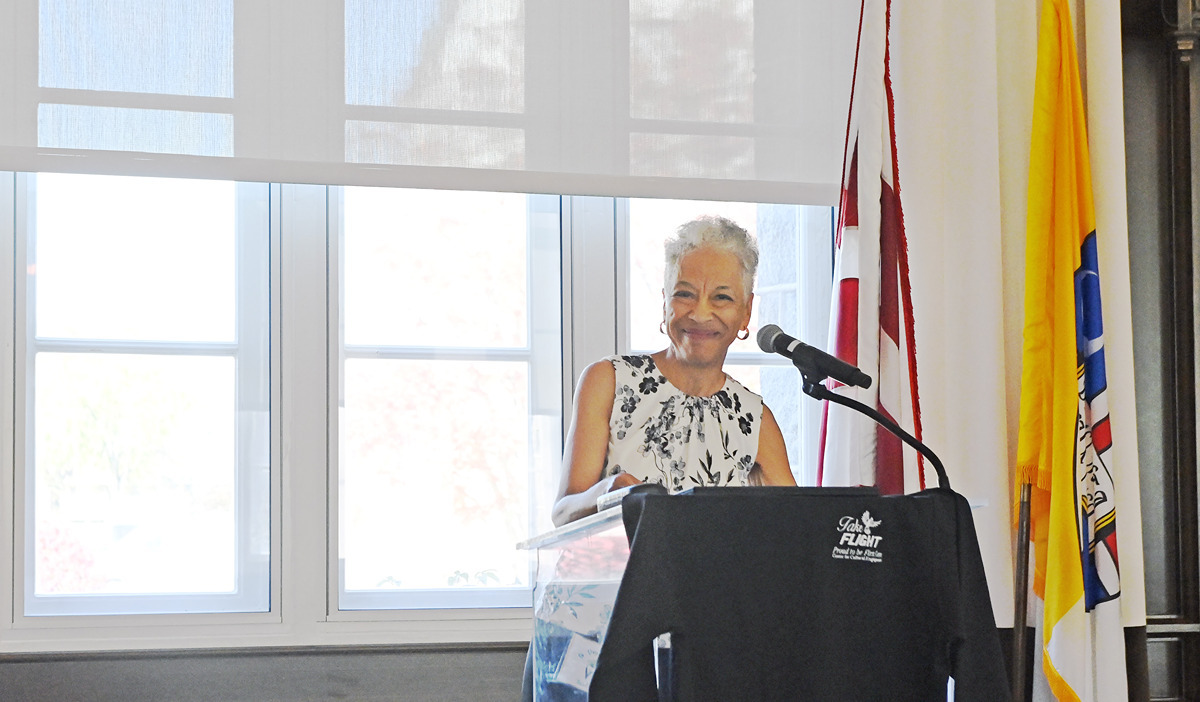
pixel 660 435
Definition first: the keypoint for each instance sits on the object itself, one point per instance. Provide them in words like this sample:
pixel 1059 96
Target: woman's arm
pixel 586 447
pixel 772 452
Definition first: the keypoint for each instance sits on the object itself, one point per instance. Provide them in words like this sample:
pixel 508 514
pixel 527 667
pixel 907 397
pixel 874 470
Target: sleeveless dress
pixel 660 435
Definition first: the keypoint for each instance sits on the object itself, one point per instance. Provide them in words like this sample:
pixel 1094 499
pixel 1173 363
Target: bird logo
pixel 869 523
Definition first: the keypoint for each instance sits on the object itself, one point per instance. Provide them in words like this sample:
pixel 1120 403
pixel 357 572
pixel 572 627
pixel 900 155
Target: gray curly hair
pixel 715 232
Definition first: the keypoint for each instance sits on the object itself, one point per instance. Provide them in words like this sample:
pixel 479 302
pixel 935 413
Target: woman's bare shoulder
pixel 601 371
pixel 598 381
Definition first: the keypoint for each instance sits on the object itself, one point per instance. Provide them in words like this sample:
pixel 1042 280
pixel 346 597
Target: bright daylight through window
pixel 146 316
pixel 299 412
pixel 450 383
pixel 146 397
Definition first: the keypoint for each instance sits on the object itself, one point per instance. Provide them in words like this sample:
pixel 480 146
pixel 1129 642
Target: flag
pixel 871 319
pixel 1065 440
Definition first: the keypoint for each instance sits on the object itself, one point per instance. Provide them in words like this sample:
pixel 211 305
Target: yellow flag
pixel 1065 440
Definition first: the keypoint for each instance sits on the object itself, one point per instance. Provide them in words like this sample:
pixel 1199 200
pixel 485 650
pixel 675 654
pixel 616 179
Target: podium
pixel 579 570
pixel 771 594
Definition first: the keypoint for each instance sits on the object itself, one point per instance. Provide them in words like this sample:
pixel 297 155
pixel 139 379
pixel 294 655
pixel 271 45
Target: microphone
pixel 810 360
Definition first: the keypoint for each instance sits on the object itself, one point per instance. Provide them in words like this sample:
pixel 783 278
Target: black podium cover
pixel 778 594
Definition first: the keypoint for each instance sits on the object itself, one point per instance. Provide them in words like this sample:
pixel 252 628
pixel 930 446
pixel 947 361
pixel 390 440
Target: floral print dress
pixel 660 435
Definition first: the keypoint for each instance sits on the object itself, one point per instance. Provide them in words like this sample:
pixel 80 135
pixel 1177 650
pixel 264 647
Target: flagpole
pixel 1021 596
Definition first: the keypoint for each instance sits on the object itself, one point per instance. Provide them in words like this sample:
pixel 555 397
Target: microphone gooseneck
pixel 812 362
pixel 815 366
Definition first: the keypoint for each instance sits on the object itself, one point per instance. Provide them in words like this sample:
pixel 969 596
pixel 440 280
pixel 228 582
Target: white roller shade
pixel 723 99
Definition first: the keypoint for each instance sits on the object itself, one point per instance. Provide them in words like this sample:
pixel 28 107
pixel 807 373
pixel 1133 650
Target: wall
pixel 300 675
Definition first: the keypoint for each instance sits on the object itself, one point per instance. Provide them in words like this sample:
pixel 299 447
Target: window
pixel 434 86
pixel 285 414
pixel 146 419
pixel 251 413
pixel 449 397
pixel 93 54
pixel 690 94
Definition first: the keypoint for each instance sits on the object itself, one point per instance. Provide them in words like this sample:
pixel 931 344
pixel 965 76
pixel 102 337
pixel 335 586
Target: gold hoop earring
pixel 746 332
pixel 662 327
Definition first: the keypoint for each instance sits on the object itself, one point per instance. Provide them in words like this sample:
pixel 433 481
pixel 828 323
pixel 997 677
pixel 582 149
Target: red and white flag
pixel 871 321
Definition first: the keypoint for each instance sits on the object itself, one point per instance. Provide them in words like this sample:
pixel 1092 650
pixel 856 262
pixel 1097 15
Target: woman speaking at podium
pixel 674 417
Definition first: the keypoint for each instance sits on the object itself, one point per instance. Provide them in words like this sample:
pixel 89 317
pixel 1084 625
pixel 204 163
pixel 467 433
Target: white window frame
pixel 250 352
pixel 543 232
pixel 303 590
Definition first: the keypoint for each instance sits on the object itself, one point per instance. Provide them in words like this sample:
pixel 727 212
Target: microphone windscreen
pixel 766 337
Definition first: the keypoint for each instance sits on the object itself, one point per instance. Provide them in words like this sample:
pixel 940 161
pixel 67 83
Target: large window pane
pixel 135 484
pixel 434 268
pixel 147 396
pixel 435 54
pixel 436 473
pixel 691 60
pixel 449 145
pixel 175 47
pixel 135 258
pixel 461 63
pixel 135 129
pixel 450 392
pixel 691 155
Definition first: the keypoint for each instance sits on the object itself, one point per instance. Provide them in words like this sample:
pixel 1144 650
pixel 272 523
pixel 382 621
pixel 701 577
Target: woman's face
pixel 706 306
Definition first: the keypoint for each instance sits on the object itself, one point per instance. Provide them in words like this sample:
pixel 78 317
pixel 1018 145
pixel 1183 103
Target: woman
pixel 674 417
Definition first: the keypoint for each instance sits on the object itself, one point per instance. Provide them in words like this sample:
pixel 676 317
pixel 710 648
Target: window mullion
pixel 306 446
pixel 24 330
pixel 594 290
pixel 8 428
pixel 253 394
